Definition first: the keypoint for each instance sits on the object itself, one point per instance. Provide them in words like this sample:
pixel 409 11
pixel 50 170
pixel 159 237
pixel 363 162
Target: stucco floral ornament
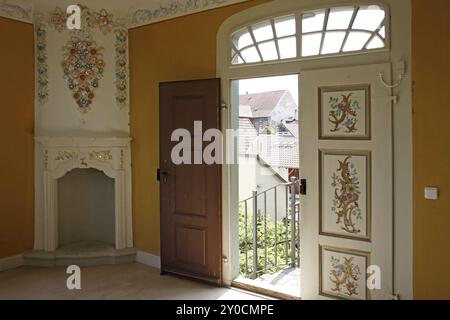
pixel 83 68
pixel 58 19
pixel 104 21
pixel 121 67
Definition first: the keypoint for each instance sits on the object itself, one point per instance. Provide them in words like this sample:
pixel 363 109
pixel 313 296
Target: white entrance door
pixel 346 158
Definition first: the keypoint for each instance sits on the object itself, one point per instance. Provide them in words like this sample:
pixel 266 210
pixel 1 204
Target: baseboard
pixel 148 259
pixel 11 262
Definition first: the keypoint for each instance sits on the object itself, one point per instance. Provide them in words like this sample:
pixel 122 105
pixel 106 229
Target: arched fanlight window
pixel 269 40
pixel 328 31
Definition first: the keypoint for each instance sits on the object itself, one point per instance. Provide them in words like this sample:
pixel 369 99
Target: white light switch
pixel 431 193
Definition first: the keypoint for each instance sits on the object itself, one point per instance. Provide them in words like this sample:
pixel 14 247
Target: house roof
pixel 261 104
pixel 292 128
pixel 276 151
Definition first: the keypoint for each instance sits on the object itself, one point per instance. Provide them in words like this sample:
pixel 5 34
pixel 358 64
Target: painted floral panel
pixel 345 194
pixel 41 64
pixel 343 273
pixel 345 112
pixel 121 74
pixel 83 67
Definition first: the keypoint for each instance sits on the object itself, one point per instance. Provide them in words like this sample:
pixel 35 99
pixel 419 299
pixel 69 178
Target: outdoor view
pixel 268 183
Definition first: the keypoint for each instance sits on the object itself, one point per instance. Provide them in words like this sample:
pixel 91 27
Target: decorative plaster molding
pixel 121 74
pixel 104 155
pixel 41 63
pixel 83 67
pixel 173 8
pixel 17 10
pixel 90 19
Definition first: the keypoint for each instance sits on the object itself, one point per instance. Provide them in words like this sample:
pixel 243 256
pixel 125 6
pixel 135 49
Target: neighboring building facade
pixel 267 158
pixel 268 109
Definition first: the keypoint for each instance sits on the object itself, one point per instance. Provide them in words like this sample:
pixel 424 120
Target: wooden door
pixel 190 193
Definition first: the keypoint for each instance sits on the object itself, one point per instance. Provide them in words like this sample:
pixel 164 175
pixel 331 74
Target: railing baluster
pixel 293 181
pixel 255 234
pixel 265 231
pixel 246 238
pixel 286 224
pixel 276 227
pixel 298 233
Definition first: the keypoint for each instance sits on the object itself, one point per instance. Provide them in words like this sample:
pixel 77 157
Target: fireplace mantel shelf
pixel 83 141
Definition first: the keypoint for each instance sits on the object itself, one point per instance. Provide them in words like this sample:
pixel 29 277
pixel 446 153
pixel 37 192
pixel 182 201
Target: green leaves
pixel 273 238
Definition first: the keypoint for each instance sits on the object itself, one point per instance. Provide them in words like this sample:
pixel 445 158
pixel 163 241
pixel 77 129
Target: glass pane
pixel 268 51
pixel 369 18
pixel 311 44
pixel 250 55
pixel 242 39
pixel 333 42
pixel 285 26
pixel 382 32
pixel 262 31
pixel 340 18
pixel 288 48
pixel 356 41
pixel 313 21
pixel 375 43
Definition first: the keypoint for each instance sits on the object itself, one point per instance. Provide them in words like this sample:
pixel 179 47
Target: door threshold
pixel 264 291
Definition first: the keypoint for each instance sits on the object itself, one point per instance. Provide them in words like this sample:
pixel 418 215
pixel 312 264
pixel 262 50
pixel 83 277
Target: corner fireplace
pixel 83 202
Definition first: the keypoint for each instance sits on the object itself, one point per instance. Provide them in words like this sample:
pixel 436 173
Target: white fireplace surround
pixel 58 156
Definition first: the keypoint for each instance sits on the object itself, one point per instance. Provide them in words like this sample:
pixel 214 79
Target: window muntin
pixel 346 29
pixel 326 31
pixel 268 40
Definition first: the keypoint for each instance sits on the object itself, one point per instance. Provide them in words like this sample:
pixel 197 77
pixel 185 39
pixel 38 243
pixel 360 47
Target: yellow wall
pixel 16 137
pixel 178 49
pixel 431 136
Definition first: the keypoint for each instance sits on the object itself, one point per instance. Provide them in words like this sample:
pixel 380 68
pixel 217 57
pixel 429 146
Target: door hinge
pixel 158 174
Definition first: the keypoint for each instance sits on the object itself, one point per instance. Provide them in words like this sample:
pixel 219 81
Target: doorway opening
pixel 267 110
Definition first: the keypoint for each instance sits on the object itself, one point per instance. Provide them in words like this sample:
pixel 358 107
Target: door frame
pixel 402 121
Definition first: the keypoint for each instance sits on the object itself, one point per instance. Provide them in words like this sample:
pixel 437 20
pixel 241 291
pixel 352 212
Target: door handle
pixel 303 187
pixel 160 173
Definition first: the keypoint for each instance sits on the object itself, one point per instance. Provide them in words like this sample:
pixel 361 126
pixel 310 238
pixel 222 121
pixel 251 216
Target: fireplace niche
pixel 83 202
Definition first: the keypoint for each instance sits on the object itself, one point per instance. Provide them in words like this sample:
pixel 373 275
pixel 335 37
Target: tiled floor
pixel 126 281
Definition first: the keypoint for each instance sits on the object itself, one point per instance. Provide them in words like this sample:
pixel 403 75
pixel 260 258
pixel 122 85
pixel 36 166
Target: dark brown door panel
pixel 191 237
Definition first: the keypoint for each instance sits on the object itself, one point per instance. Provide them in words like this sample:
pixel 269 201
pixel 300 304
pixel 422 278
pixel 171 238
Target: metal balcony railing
pixel 269 233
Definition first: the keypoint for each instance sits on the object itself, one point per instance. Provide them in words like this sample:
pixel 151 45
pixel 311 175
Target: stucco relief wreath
pixel 83 67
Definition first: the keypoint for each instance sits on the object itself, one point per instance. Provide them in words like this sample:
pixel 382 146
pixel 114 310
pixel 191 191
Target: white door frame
pixel 402 160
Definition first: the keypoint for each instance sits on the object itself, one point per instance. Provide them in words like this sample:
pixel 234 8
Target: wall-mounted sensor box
pixel 431 193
